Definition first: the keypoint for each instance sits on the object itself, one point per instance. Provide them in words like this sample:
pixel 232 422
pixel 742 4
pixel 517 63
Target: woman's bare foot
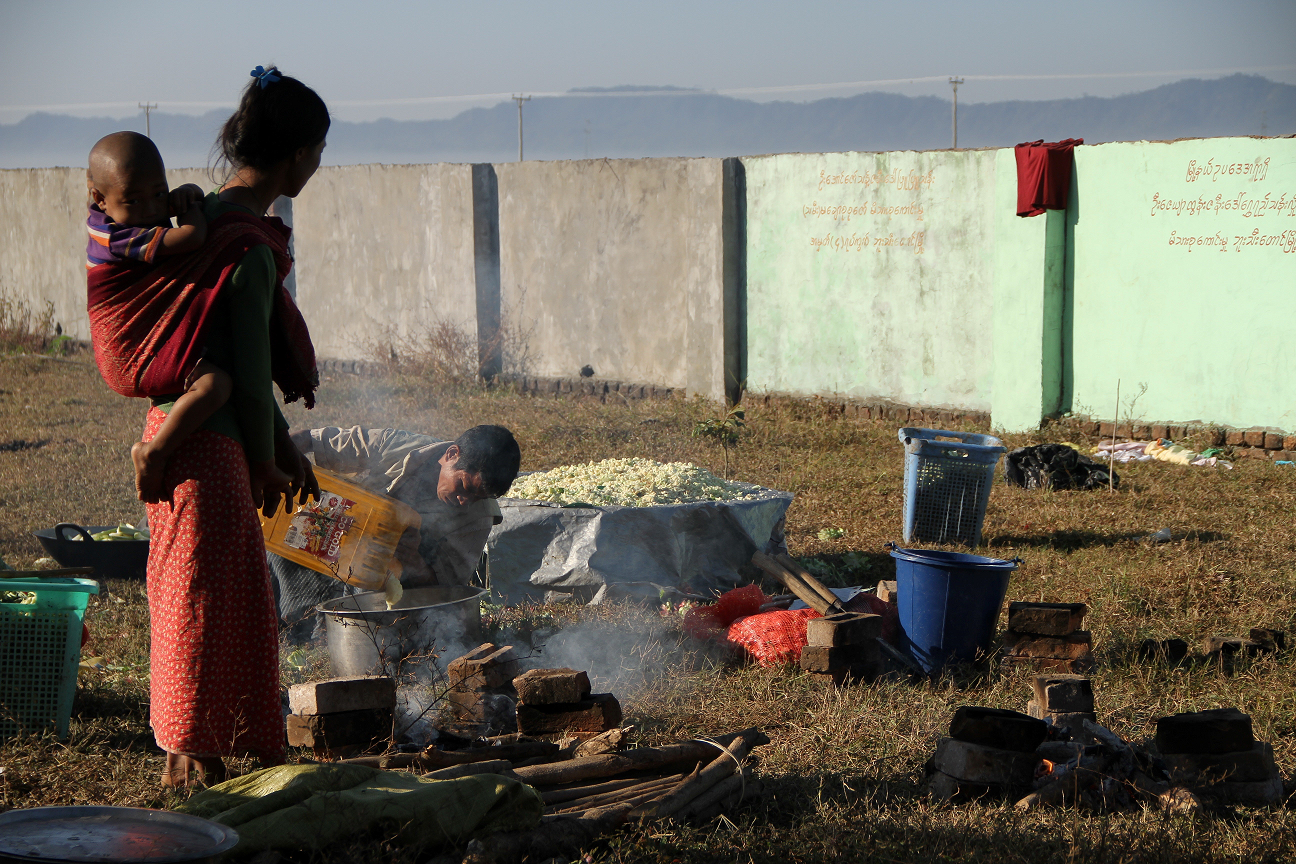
pixel 180 768
pixel 150 466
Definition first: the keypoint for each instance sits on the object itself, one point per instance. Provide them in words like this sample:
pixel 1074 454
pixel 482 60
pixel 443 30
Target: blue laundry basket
pixel 947 484
pixel 948 603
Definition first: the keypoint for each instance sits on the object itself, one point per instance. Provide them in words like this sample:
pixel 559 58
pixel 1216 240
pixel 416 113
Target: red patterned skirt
pixel 214 689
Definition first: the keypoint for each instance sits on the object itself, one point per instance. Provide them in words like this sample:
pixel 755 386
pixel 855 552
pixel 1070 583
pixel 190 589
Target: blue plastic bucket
pixel 949 603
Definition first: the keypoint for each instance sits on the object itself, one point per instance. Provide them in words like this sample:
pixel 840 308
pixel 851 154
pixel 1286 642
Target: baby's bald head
pixel 128 180
pixel 120 156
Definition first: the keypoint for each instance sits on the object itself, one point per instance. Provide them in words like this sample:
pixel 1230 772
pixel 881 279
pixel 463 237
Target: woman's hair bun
pixel 277 116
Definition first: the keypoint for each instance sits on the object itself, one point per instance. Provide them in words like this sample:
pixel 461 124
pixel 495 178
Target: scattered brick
pixel 946 788
pixel 1223 730
pixel 336 695
pixel 483 668
pixel 599 713
pixel 1270 640
pixel 1170 651
pixel 1177 433
pixel 1289 442
pixel 1159 431
pixel 1063 693
pixel 1273 441
pixel 1140 432
pixel 997 728
pixel 1046 619
pixel 1254 437
pixel 1235 438
pixel 1230 646
pixel 1266 793
pixel 552 686
pixel 886 591
pixel 845 628
pixel 1249 766
pixel 974 763
pixel 473 706
pixel 331 731
pixel 1073 646
pixel 1106 430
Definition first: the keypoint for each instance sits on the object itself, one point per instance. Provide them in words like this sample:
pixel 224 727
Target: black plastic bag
pixel 1055 466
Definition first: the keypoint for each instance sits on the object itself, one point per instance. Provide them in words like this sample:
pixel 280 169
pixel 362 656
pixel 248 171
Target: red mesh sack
pixel 872 604
pixel 703 622
pixel 772 638
pixel 739 602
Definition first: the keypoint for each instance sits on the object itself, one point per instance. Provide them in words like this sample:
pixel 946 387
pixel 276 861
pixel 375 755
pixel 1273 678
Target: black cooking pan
pixel 119 558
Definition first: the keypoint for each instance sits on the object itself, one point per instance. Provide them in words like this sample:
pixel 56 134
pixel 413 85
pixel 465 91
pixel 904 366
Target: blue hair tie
pixel 265 76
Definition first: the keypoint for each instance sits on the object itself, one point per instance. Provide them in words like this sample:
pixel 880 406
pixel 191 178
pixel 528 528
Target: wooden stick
pixel 572 793
pixel 433 758
pixel 495 766
pixel 834 603
pixel 792 582
pixel 719 792
pixel 611 764
pixel 720 768
pixel 644 799
pixel 580 805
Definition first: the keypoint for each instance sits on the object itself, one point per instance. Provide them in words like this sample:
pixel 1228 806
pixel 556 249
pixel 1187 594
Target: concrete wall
pixel 619 265
pixel 43 241
pixel 383 250
pixel 872 275
pixel 1184 278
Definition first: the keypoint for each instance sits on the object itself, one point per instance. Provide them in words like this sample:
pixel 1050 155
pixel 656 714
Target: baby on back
pixel 130 222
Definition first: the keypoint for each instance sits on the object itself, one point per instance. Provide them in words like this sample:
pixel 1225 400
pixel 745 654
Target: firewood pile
pixel 1060 755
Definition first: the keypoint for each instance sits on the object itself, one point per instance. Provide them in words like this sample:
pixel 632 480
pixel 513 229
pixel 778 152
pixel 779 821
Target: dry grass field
pixel 842 778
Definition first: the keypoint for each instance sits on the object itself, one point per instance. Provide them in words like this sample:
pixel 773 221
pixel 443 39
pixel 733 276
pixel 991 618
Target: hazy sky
pixel 422 60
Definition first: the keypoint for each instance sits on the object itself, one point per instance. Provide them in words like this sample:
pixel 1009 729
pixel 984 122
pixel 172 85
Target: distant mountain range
pixel 672 122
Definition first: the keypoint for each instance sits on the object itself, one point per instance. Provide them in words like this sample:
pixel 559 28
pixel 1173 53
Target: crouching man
pixel 451 484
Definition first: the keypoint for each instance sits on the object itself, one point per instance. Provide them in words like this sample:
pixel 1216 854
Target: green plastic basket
pixel 40 651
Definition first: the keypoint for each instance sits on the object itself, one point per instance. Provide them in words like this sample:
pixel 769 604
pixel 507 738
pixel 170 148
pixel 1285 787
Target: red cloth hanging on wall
pixel 1044 175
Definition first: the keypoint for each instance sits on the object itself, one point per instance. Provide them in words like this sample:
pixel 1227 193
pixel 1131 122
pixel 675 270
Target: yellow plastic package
pixel 350 534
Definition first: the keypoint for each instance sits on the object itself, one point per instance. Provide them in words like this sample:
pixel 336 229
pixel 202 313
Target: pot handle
pixel 61 528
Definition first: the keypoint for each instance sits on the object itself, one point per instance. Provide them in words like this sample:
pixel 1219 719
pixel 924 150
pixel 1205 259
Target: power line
pixel 955 82
pixel 519 100
pixel 148 130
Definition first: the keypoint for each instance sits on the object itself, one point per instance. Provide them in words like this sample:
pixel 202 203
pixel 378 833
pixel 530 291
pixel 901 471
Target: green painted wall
pixel 871 275
pixel 1183 278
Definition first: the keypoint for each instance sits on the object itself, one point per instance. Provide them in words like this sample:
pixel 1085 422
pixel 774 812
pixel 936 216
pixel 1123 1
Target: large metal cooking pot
pixel 366 638
pixel 119 558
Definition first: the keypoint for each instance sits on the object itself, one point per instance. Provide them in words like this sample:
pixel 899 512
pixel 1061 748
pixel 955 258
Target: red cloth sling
pixel 149 323
pixel 1044 175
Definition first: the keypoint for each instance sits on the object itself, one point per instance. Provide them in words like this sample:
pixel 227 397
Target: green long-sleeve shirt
pixel 238 341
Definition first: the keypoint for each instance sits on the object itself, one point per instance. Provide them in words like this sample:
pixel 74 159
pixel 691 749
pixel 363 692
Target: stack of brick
pixel 559 701
pixel 1215 754
pixel 341 714
pixel 481 684
pixel 843 646
pixel 1064 700
pixel 1258 641
pixel 989 751
pixel 1046 637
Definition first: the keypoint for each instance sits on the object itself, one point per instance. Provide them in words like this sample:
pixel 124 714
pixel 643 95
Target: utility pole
pixel 148 132
pixel 955 82
pixel 519 100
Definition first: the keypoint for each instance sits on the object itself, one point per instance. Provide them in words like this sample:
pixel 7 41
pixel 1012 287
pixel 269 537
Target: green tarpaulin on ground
pixel 313 806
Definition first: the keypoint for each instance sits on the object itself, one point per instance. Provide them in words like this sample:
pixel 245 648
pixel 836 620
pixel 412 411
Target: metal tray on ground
pixel 110 835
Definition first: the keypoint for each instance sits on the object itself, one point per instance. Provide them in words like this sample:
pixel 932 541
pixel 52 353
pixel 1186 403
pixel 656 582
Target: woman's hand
pixel 290 459
pixel 268 485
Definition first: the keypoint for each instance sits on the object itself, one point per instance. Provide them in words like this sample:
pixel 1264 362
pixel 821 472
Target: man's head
pixel 482 463
pixel 128 180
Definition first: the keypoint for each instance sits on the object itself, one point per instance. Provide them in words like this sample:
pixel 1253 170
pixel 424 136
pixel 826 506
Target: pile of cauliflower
pixel 628 483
